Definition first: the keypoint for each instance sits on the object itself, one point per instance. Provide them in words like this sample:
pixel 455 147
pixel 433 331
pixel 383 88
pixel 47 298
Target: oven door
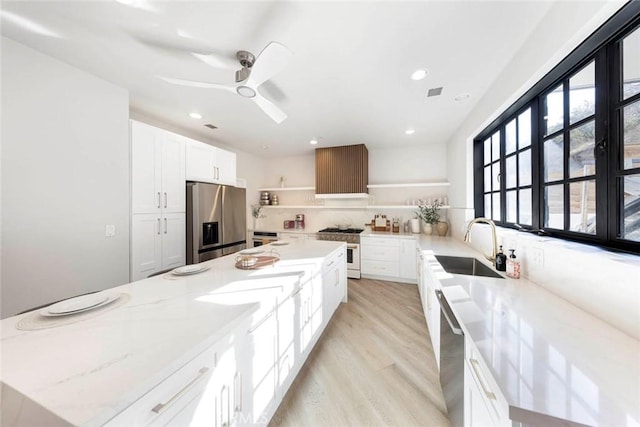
pixel 353 260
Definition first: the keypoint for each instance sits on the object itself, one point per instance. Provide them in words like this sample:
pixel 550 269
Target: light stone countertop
pixel 87 372
pixel 549 357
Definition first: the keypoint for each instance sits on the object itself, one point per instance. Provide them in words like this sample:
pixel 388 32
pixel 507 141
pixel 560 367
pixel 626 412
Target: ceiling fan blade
pixel 276 114
pixel 273 58
pixel 193 83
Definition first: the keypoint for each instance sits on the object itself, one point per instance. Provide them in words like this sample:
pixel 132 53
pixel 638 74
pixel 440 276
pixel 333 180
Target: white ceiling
pixel 348 81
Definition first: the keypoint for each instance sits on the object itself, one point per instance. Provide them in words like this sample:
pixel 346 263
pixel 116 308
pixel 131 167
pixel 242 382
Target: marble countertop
pixel 548 357
pixel 86 372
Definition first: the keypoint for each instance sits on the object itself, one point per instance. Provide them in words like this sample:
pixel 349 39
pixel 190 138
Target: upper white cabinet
pixel 205 163
pixel 158 170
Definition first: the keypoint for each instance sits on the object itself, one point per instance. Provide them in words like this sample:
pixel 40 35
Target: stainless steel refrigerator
pixel 216 221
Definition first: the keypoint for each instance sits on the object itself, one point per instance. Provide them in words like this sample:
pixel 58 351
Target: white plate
pixel 189 269
pixel 280 243
pixel 251 251
pixel 79 304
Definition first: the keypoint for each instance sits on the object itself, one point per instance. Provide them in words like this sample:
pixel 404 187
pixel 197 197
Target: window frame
pixel 603 47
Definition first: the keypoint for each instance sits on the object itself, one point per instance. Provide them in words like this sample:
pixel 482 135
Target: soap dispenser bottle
pixel 513 265
pixel 501 260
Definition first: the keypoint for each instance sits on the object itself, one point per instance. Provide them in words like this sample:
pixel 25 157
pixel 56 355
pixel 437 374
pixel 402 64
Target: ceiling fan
pixel 255 71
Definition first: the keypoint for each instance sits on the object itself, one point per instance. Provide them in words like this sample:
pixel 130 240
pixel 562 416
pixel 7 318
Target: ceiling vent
pixel 435 91
pixel 210 126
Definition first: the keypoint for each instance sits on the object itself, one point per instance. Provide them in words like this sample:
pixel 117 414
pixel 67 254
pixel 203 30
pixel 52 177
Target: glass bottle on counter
pixel 513 265
pixel 501 260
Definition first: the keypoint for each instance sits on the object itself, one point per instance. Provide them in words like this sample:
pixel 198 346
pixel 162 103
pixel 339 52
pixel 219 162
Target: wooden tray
pixel 263 261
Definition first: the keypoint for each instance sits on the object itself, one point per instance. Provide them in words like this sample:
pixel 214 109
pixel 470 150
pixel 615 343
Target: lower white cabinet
pixel 334 281
pixel 158 243
pixel 388 257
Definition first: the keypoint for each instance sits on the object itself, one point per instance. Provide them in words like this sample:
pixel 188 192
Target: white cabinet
pixel 430 303
pixel 408 259
pixel 334 281
pixel 158 239
pixel 388 257
pixel 205 163
pixel 484 404
pixel 157 170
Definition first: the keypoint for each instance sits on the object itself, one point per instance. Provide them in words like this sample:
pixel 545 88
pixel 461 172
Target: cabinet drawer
pixel 380 268
pixel 379 241
pixel 381 253
pixel 168 398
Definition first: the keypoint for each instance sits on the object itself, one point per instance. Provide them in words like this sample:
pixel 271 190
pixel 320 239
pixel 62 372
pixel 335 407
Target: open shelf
pixel 368 207
pixel 287 189
pixel 410 185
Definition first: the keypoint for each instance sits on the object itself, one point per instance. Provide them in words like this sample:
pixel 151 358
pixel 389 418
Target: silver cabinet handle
pixel 165 226
pixel 165 199
pixel 158 200
pixel 162 406
pixel 330 264
pixel 158 226
pixel 264 319
pixel 237 390
pixel 476 366
pixel 226 422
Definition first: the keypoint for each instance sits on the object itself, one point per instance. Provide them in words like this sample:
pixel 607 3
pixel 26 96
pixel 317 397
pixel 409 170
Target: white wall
pixel 65 175
pixel 600 282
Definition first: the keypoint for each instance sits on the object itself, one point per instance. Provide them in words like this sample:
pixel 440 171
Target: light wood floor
pixel 374 365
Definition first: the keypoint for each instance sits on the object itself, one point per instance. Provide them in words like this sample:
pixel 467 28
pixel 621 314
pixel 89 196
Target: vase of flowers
pixel 256 212
pixel 429 213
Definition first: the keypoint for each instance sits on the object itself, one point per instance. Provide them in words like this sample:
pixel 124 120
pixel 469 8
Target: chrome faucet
pixel 494 235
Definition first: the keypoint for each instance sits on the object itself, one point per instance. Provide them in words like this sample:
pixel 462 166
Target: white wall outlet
pixel 110 230
pixel 537 257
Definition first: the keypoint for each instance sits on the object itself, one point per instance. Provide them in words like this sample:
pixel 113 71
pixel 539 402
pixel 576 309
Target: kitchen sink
pixel 466 265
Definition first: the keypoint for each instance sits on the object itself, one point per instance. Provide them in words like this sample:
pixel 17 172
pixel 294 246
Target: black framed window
pixel 565 158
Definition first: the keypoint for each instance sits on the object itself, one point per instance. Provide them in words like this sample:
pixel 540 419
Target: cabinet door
pixel 408 259
pixel 146 160
pixel 476 411
pixel 173 174
pixel 200 162
pixel 288 343
pixel 261 379
pixel 226 164
pixel 173 240
pixel 146 245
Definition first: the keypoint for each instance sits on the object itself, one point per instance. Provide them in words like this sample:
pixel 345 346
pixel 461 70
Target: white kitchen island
pixel 218 347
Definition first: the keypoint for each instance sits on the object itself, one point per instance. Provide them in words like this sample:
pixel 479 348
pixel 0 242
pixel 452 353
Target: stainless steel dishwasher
pixel 451 362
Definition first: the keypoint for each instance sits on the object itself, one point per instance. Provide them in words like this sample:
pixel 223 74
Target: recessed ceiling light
pixel 313 142
pixel 410 131
pixel 419 74
pixel 195 115
pixel 462 97
pixel 265 147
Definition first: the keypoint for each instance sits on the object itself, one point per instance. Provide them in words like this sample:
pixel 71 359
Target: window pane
pixel 554 159
pixel 524 168
pixel 582 94
pixel 525 207
pixel 631 64
pixel 554 117
pixel 511 171
pixel 524 129
pixel 487 179
pixel 582 141
pixel 487 205
pixel 510 137
pixel 495 172
pixel 512 206
pixel 631 190
pixel 582 206
pixel 496 207
pixel 487 151
pixel 631 130
pixel 495 146
pixel 554 206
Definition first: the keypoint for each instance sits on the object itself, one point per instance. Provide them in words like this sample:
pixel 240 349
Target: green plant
pixel 256 211
pixel 429 213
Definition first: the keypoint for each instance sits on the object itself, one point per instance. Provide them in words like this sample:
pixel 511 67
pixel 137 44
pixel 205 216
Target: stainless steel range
pixel 352 237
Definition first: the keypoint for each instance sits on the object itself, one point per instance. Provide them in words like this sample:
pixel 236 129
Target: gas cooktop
pixel 344 230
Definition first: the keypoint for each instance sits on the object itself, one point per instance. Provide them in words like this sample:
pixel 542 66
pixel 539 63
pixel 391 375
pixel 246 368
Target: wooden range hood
pixel 342 172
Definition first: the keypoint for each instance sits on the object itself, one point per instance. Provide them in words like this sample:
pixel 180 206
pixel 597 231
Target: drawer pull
pixel 237 404
pixel 264 319
pixel 162 406
pixel 476 370
pixel 330 264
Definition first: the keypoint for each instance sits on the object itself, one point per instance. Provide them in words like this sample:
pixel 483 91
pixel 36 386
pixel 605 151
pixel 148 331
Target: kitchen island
pixel 179 340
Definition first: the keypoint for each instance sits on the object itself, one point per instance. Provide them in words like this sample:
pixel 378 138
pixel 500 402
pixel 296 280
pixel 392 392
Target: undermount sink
pixel 466 265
